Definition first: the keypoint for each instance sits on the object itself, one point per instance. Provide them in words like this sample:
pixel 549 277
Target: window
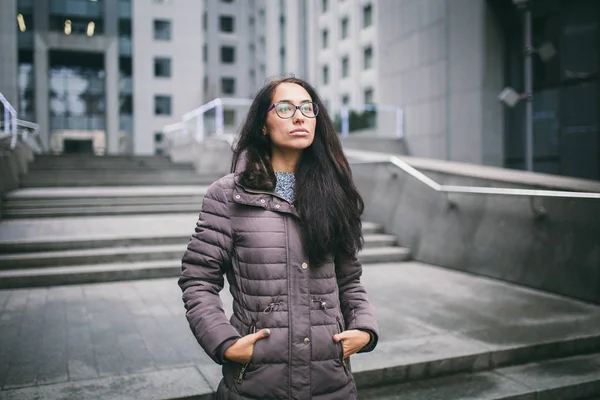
pixel 345 99
pixel 162 105
pixel 325 75
pixel 204 21
pixel 367 16
pixel 227 1
pixel 345 67
pixel 158 137
pixel 227 54
pixel 162 67
pixel 205 83
pixel 162 29
pixel 226 24
pixel 344 27
pixel 229 117
pixel 324 5
pixel 368 57
pixel 205 52
pixel 369 96
pixel 228 85
pixel 325 37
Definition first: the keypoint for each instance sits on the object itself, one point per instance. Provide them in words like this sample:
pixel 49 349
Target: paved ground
pixel 60 341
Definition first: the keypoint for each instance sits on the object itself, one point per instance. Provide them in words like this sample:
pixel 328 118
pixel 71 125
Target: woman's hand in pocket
pixel 352 341
pixel 241 351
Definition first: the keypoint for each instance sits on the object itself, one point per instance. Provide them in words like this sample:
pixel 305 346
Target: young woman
pixel 285 229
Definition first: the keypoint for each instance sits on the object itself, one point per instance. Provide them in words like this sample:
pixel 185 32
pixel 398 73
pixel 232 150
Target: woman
pixel 285 229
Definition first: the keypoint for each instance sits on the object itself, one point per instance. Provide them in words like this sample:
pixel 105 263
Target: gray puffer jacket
pixel 248 233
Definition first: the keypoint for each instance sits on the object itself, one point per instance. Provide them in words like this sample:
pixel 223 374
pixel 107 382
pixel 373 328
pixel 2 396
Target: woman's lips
pixel 299 132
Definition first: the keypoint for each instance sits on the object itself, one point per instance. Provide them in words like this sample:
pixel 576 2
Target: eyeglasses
pixel 287 110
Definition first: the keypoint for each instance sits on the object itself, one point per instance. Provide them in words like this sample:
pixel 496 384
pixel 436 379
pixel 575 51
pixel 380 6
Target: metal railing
pixel 10 121
pixel 182 131
pixel 531 193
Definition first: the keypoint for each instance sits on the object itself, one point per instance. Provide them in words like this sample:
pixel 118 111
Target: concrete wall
pixel 9 55
pixel 13 164
pixel 495 236
pixel 444 68
pixel 211 156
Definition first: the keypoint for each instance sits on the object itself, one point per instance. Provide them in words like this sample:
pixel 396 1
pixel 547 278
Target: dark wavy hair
pixel 327 200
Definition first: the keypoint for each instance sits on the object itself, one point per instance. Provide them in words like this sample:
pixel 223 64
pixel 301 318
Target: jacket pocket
pixel 251 330
pixel 341 345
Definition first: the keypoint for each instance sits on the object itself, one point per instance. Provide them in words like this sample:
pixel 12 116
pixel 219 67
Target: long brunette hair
pixel 327 200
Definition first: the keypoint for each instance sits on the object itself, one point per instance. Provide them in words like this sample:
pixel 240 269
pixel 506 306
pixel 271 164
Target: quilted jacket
pixel 249 234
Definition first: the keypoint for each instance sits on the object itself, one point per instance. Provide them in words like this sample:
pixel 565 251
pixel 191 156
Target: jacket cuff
pixel 220 354
pixel 372 342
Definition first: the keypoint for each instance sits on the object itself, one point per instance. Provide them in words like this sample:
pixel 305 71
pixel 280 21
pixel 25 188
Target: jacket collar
pixel 255 184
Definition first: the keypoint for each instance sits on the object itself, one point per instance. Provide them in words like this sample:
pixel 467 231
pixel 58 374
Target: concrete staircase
pixel 93 189
pixel 71 260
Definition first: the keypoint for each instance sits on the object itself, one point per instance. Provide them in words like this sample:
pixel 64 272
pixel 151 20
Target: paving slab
pixel 432 321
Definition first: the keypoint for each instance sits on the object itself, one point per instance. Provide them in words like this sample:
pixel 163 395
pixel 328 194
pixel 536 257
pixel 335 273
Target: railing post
pixel 200 127
pixel 399 123
pixel 345 121
pixel 219 122
pixel 6 126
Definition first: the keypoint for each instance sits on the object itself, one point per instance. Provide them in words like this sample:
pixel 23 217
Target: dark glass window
pixel 227 23
pixel 368 57
pixel 162 29
pixel 324 38
pixel 228 85
pixel 367 15
pixel 162 67
pixel 227 54
pixel 345 67
pixel 162 105
pixel 368 96
pixel 344 27
pixel 325 75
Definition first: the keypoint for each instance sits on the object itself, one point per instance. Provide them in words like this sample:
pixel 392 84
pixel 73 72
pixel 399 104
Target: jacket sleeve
pixel 206 259
pixel 356 308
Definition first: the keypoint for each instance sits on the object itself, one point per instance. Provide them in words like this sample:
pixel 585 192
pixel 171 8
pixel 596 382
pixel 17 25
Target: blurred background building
pixel 114 72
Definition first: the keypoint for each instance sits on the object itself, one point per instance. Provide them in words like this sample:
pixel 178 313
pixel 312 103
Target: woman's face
pixel 297 132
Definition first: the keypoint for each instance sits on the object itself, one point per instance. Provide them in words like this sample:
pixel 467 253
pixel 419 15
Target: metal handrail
pixel 26 134
pixel 487 190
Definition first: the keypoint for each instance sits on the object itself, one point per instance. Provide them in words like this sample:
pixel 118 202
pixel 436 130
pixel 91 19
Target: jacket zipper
pixel 251 330
pixel 341 329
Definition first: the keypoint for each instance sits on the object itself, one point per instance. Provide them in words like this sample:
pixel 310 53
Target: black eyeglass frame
pixel 296 108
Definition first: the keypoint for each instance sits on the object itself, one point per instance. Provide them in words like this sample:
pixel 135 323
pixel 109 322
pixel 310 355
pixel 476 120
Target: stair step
pixel 67 193
pixel 102 210
pixel 51 182
pixel 569 378
pixel 93 273
pixel 156 251
pixel 94 202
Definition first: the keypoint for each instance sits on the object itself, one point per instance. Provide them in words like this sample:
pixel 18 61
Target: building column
pixel 111 67
pixel 9 56
pixel 41 68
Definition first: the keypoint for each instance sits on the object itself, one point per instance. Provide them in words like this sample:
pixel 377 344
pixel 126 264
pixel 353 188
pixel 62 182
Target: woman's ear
pixel 264 131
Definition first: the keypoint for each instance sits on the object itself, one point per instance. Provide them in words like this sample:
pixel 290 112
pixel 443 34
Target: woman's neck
pixel 285 161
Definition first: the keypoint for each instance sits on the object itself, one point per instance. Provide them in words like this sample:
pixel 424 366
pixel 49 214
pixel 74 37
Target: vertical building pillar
pixel 9 56
pixel 41 71
pixel 111 67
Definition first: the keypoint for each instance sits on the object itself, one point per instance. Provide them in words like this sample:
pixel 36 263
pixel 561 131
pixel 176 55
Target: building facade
pixel 95 81
pixel 446 61
pixel 119 70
